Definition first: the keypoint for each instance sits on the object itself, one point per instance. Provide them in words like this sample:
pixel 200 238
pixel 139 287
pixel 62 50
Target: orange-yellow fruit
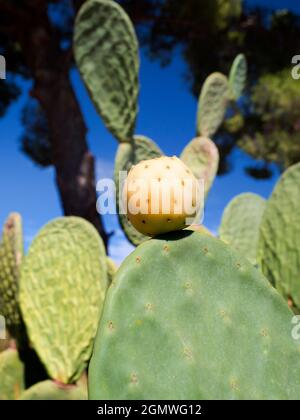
pixel 161 195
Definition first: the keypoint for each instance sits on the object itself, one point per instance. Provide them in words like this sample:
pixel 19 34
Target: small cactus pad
pixel 106 52
pixel 238 76
pixel 128 155
pixel 11 254
pixel 240 224
pixel 62 289
pixel 279 241
pixel 50 390
pixel 202 157
pixel 162 195
pixel 212 106
pixel 201 319
pixel 11 375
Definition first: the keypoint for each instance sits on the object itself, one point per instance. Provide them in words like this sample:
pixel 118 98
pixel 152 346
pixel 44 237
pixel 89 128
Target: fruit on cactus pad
pixel 161 195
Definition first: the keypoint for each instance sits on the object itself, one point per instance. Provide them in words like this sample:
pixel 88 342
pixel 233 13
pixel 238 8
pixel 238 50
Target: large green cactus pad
pixel 142 148
pixel 11 253
pixel 106 52
pixel 212 106
pixel 49 390
pixel 11 375
pixel 202 157
pixel 279 241
pixel 241 222
pixel 203 324
pixel 238 76
pixel 62 288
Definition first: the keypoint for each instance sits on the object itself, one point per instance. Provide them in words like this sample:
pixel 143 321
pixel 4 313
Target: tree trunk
pixel 50 68
pixel 73 162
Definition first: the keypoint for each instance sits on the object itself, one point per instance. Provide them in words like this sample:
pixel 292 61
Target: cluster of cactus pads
pixel 58 294
pixel 106 53
pixel 187 315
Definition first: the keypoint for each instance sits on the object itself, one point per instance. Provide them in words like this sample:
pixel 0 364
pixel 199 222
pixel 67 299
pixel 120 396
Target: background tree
pixel 36 39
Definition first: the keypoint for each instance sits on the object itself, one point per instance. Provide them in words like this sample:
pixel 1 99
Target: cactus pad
pixel 11 253
pixel 49 390
pixel 201 318
pixel 111 270
pixel 238 76
pixel 128 155
pixel 106 52
pixel 11 374
pixel 202 157
pixel 279 241
pixel 240 224
pixel 212 106
pixel 62 288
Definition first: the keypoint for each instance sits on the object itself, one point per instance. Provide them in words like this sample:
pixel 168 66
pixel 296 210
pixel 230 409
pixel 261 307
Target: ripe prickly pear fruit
pixel 161 195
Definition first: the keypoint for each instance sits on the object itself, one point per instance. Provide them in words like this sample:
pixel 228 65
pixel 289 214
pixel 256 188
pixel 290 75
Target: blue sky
pixel 167 115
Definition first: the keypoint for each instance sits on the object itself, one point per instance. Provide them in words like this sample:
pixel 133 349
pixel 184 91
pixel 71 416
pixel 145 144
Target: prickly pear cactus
pixel 202 157
pixel 62 289
pixel 238 76
pixel 111 270
pixel 240 224
pixel 212 106
pixel 106 52
pixel 50 390
pixel 11 374
pixel 11 254
pixel 279 241
pixel 128 155
pixel 201 317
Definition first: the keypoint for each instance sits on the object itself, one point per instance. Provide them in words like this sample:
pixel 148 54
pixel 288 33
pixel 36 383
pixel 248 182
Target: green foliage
pixel 203 324
pixel 11 374
pixel 106 52
pixel 240 224
pixel 11 254
pixel 62 288
pixel 142 148
pixel 272 130
pixel 213 103
pixel 49 390
pixel 279 242
pixel 238 76
pixel 202 157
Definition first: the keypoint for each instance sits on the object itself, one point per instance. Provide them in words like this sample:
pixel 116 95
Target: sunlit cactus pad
pixel 202 157
pixel 11 254
pixel 241 222
pixel 279 243
pixel 238 76
pixel 62 288
pixel 189 318
pixel 106 52
pixel 213 103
